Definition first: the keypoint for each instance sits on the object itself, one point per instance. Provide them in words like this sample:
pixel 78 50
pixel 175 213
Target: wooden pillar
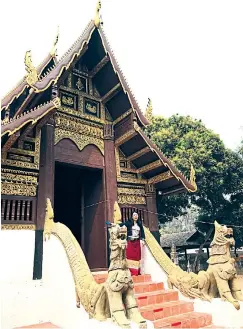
pixel 45 189
pixel 186 255
pixel 110 171
pixel 152 211
pixel 46 174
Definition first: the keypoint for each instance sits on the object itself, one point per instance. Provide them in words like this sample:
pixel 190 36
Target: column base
pixel 38 255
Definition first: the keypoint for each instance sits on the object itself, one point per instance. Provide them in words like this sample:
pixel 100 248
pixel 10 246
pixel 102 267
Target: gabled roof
pixel 165 162
pixel 22 85
pixel 79 47
pixel 155 167
pixel 182 239
pixel 119 100
pixel 32 116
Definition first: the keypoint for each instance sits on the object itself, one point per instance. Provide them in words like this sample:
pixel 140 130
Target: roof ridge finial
pixel 149 111
pixel 193 177
pixel 54 47
pixel 97 20
pixel 32 74
pixel 117 213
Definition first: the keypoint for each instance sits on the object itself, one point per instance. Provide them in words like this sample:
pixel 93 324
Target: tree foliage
pixel 241 149
pixel 219 172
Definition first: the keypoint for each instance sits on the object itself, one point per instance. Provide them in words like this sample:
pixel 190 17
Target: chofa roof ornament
pixel 149 111
pixel 98 20
pixel 32 74
pixel 117 213
pixel 54 47
pixel 193 178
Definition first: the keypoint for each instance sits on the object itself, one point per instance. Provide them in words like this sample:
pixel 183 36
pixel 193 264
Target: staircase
pixel 158 305
pixel 163 307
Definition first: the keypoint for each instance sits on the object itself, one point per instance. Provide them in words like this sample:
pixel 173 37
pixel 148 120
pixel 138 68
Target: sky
pixel 187 56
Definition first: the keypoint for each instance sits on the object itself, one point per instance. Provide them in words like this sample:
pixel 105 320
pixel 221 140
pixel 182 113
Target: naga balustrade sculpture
pixel 112 299
pixel 220 279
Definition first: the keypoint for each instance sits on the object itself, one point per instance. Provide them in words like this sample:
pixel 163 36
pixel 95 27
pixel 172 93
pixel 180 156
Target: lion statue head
pixel 223 235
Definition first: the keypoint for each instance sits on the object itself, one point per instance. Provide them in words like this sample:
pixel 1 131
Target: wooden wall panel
pixel 67 151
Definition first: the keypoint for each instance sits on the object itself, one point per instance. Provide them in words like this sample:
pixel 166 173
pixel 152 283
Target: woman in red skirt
pixel 135 238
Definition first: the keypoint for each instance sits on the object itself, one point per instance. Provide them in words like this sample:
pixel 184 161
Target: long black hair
pixel 139 221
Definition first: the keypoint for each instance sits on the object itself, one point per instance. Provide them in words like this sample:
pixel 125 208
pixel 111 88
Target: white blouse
pixel 135 231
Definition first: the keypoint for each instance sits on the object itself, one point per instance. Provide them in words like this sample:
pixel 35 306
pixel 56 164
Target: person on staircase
pixel 135 239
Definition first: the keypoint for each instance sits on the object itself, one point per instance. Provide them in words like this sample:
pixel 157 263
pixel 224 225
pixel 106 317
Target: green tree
pixel 219 172
pixel 241 149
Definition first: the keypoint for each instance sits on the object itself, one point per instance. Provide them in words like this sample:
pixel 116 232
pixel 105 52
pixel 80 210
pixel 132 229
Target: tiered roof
pixel 22 85
pixel 119 101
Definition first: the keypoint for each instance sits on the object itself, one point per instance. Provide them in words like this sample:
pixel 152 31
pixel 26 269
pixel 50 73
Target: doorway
pixel 68 198
pixel 79 204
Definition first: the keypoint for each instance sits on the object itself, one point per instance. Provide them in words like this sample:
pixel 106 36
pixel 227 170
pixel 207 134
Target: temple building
pixel 73 132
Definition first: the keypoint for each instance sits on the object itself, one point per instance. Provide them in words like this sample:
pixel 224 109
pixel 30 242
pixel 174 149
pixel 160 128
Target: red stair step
pixel 218 327
pixel 141 278
pixel 165 310
pixel 188 320
pixel 214 327
pixel 163 307
pixel 156 297
pixel 101 278
pixel 45 325
pixel 148 287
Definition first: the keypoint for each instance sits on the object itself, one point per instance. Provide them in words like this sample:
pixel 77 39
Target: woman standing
pixel 135 238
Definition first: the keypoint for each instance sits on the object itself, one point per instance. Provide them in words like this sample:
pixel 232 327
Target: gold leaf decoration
pixel 54 47
pixel 97 19
pixel 32 75
pixel 79 84
pixel 67 100
pixel 131 199
pixel 193 178
pixel 149 111
pixel 13 188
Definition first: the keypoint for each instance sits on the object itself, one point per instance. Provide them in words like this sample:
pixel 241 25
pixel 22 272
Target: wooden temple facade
pixel 73 132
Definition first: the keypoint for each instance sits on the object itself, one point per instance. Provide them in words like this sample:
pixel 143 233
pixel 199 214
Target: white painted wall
pixel 25 301
pixel 150 266
pixel 223 313
pixel 17 255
